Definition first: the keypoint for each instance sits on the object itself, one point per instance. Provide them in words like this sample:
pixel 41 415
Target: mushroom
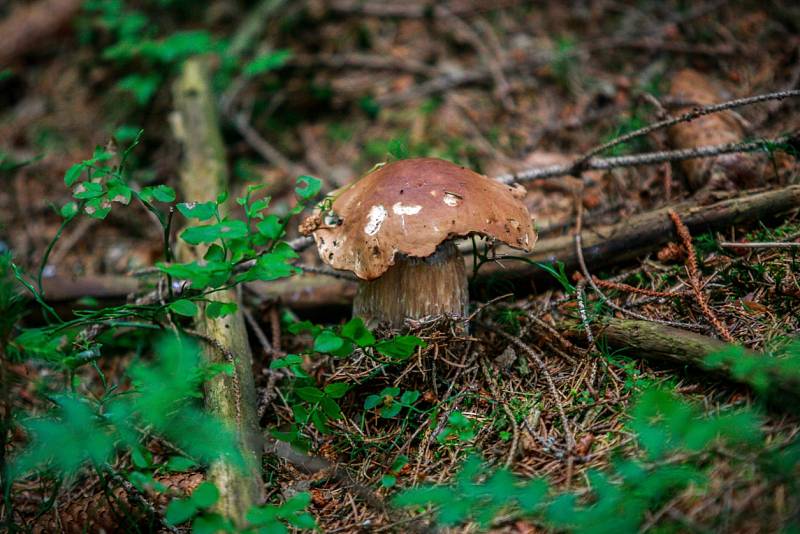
pixel 395 229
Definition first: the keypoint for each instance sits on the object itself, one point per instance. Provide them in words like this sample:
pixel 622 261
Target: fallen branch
pixel 635 160
pixel 603 247
pixel 232 398
pixel 676 346
pixel 638 235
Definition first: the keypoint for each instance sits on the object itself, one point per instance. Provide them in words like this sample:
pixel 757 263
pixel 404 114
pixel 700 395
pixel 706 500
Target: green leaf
pixel 69 210
pixel 400 347
pixel 327 342
pixel 271 227
pixel 310 394
pixel 141 458
pixel 337 390
pixel 86 190
pixel 290 359
pixel 391 410
pixel 180 464
pixel 208 233
pixel 216 309
pixel 409 397
pixel 261 515
pixel 215 253
pixel 141 86
pixel 184 307
pixel 399 463
pixel 209 274
pixel 97 208
pixel 331 408
pixel 266 62
pixel 307 188
pixel 398 149
pixel 319 421
pixel 388 481
pixel 73 173
pixel 161 193
pixel 179 511
pixel 211 524
pixel 119 192
pixel 372 401
pixel 202 211
pixel 205 495
pixel 358 333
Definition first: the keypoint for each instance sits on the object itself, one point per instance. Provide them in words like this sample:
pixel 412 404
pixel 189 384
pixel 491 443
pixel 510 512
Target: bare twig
pixel 686 117
pixel 264 147
pixel 648 158
pixel 608 284
pixel 570 439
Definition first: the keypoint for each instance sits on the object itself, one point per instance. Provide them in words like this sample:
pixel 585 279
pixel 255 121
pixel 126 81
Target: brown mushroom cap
pixel 410 207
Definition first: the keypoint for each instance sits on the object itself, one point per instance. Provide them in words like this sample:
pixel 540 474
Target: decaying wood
pixel 726 171
pixel 65 288
pixel 29 24
pixel 604 246
pixel 204 175
pixel 657 342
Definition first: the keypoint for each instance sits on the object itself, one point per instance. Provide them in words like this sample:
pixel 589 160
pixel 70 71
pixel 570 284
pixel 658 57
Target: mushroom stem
pixel 414 288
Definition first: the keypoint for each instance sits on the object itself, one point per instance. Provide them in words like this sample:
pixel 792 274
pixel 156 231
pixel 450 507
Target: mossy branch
pixel 203 176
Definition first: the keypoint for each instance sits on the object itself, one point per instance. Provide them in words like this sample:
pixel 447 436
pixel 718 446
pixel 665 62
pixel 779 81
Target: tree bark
pixel 232 398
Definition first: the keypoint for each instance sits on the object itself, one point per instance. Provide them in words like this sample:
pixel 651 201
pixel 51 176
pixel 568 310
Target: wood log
pixel 661 343
pixel 604 247
pixel 204 175
pixel 638 235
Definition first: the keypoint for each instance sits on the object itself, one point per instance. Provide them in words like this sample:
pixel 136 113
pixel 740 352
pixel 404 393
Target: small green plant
pixel 261 519
pixel 390 479
pixel 459 428
pixel 160 397
pixel 390 402
pixel 164 399
pixel 317 406
pixel 619 498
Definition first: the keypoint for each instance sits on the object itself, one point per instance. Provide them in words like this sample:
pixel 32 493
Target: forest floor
pixel 535 386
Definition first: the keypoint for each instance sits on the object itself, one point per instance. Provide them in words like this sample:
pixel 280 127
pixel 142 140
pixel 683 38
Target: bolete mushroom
pixel 395 229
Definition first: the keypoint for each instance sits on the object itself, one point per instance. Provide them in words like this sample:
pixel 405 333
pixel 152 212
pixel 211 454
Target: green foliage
pixel 164 398
pixel 459 428
pixel 476 495
pixel 769 374
pixel 266 62
pixel 391 402
pixel 619 499
pixel 268 518
pixel 163 395
pixel 315 406
pixel 557 271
